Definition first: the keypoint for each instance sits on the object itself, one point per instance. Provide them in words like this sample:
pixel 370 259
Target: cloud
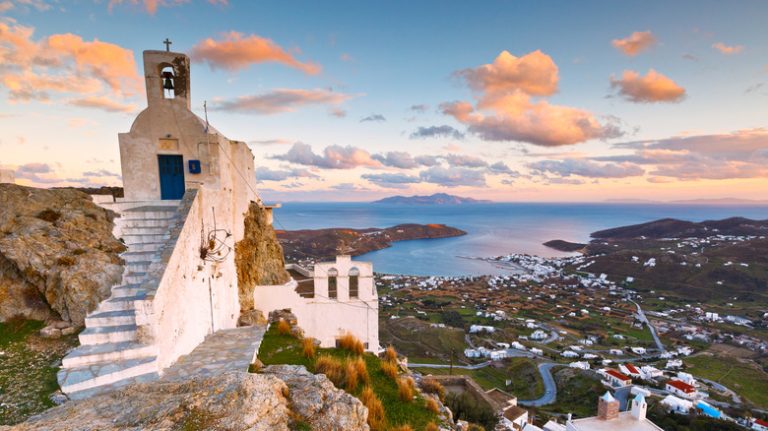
pixel 397 159
pixel 586 168
pixel 102 103
pixel 501 168
pixel 444 131
pixel 281 100
pixel 651 88
pixel 392 181
pixel 264 173
pixel 151 6
pixel 5 6
pixel 421 108
pixel 349 187
pixel 534 73
pixel 101 173
pixel 506 111
pixel 63 63
pixel 333 157
pixel 453 177
pixel 740 154
pixel 373 117
pixel 278 141
pixel 635 43
pixel 726 49
pixel 466 161
pixel 427 160
pixel 234 51
pixel 338 112
pixel 43 174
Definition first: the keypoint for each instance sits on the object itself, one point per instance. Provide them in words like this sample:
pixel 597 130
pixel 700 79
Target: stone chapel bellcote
pixel 167 78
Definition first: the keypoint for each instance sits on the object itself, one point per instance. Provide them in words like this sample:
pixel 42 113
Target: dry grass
pixel 283 327
pixel 308 347
pixel 404 427
pixel 362 370
pixel 432 405
pixel 389 369
pixel 431 427
pixel 351 378
pixel 331 367
pixel 376 414
pixel 390 354
pixel 351 343
pixel 432 386
pixel 405 389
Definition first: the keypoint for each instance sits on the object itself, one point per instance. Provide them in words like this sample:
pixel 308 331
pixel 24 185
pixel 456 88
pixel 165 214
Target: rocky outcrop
pixel 316 400
pixel 259 256
pixel 58 258
pixel 279 399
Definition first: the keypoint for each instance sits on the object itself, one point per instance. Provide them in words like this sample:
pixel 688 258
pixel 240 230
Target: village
pixel 555 317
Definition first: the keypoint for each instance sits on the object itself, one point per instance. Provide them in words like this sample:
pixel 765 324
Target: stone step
pixel 137 256
pixel 144 238
pixel 147 246
pixel 146 222
pixel 121 303
pixel 150 212
pixel 134 277
pixel 145 230
pixel 126 290
pixel 87 393
pixel 73 380
pixel 111 318
pixel 108 334
pixel 107 352
pixel 138 267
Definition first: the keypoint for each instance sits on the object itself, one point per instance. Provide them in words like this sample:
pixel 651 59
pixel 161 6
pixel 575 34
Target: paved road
pixel 550 389
pixel 463 367
pixel 645 320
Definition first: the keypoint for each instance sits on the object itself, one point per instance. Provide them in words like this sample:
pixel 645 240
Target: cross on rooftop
pixel 167 43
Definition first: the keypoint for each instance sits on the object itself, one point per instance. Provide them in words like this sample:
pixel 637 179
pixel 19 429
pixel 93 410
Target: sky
pixel 353 101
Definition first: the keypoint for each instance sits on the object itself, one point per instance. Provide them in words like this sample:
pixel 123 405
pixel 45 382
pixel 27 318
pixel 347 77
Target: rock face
pixel 58 258
pixel 258 256
pixel 276 400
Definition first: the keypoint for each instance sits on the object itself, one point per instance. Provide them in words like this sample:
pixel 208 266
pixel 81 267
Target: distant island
pixel 298 245
pixel 435 199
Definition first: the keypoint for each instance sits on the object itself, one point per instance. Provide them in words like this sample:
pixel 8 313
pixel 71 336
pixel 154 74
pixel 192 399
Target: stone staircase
pixel 109 354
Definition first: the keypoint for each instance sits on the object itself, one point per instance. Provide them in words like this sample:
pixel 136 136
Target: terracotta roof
pixel 761 422
pixel 619 375
pixel 685 387
pixel 632 369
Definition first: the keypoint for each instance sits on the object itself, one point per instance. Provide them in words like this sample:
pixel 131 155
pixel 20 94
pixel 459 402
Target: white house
pixel 582 365
pixel 616 379
pixel 760 425
pixel 681 389
pixel 676 404
pixel 638 350
pixel 538 335
pixel 569 354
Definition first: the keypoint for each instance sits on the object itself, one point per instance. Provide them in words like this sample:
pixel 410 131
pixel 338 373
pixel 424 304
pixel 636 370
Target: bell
pixel 167 81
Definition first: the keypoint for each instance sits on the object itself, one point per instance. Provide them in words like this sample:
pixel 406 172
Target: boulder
pixel 251 318
pixel 58 257
pixel 50 332
pixel 279 399
pixel 317 401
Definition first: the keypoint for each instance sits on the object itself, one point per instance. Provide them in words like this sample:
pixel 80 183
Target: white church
pixel 184 180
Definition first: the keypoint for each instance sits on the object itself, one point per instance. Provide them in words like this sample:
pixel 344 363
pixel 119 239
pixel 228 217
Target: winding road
pixel 644 319
pixel 550 389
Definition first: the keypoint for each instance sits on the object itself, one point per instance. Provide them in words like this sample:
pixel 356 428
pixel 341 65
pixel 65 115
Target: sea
pixel 493 229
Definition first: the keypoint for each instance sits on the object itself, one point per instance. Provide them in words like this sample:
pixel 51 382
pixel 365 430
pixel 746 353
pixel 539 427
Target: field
pixel 286 349
pixel 420 342
pixel 28 366
pixel 741 375
pixel 577 393
pixel 526 383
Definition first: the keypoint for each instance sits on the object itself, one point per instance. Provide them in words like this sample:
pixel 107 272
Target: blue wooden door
pixel 171 176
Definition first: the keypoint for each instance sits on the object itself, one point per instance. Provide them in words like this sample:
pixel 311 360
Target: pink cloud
pixel 103 103
pixel 635 43
pixel 63 63
pixel 282 100
pixel 726 49
pixel 236 51
pixel 506 111
pixel 651 88
pixel 150 6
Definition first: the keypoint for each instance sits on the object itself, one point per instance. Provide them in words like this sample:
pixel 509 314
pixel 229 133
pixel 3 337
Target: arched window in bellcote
pixel 333 283
pixel 169 82
pixel 354 283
